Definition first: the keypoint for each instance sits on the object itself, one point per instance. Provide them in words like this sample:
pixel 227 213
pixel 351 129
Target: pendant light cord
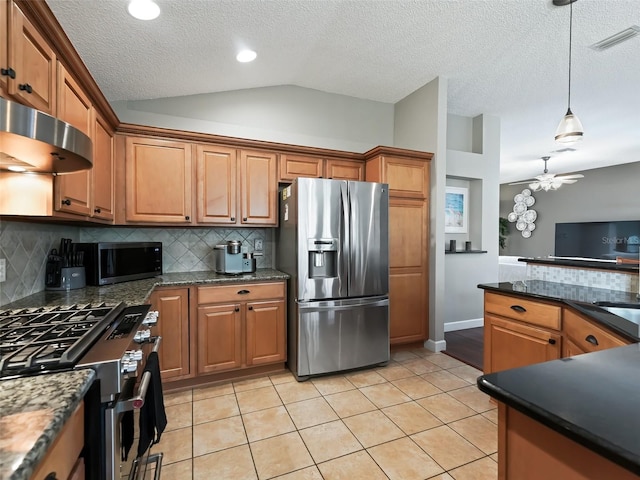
pixel 570 42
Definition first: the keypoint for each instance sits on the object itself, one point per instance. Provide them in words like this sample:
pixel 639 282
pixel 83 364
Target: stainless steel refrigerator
pixel 333 240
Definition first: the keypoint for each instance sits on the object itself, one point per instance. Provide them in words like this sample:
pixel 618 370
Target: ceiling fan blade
pixel 522 183
pixel 564 180
pixel 577 175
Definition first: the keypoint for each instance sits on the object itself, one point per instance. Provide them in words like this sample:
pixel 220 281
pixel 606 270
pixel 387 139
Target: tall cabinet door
pixel 102 173
pixel 219 338
pixel 172 305
pixel 258 187
pixel 73 190
pixel 217 184
pixel 4 60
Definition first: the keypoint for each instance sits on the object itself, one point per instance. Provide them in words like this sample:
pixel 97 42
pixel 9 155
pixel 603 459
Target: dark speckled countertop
pixel 33 410
pixel 593 399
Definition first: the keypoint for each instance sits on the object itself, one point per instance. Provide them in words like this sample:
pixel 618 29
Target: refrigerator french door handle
pixel 315 307
pixel 344 259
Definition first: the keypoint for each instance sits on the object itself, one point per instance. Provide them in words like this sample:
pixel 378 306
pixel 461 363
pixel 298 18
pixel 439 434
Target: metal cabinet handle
pixel 186 218
pixel 96 210
pixel 244 219
pixel 237 309
pixel 25 87
pixel 66 201
pixel 8 72
pixel 592 340
pixel 250 307
pixel 518 308
pixel 51 476
pixel 244 292
pixel 233 219
pixel 552 341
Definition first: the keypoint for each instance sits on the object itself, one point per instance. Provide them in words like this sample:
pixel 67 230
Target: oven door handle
pixel 138 400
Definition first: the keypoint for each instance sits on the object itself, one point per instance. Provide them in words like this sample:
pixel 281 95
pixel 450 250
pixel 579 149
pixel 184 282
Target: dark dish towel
pixel 126 429
pixel 153 418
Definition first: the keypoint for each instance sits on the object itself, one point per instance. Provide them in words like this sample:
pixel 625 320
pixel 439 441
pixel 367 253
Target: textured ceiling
pixel 507 58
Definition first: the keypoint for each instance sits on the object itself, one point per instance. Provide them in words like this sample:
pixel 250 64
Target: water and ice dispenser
pixel 323 257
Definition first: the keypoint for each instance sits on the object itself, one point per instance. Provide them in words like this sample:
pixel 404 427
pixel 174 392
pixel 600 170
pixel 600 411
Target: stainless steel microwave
pixel 115 262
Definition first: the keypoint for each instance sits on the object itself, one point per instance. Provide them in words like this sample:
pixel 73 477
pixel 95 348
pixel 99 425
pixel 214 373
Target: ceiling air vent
pixel 617 38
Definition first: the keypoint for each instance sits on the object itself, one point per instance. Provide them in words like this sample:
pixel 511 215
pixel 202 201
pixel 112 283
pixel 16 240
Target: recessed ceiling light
pixel 15 168
pixel 144 9
pixel 246 56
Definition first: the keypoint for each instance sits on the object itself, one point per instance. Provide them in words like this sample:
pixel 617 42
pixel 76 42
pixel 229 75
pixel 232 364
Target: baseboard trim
pixel 463 324
pixel 438 346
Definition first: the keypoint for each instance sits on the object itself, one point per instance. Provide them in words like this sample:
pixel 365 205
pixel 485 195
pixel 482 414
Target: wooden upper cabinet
pixel 102 174
pixel 34 63
pixel 258 188
pixel 344 169
pixel 4 37
pixel 73 190
pixel 217 184
pixel 294 166
pixel 407 177
pixel 158 179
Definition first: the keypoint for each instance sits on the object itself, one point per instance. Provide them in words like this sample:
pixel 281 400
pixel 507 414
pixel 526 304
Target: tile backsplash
pixel 25 247
pixel 626 282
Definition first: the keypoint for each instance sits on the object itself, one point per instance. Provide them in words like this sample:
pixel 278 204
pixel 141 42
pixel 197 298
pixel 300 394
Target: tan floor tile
pixel 175 445
pixel 182 470
pixel 309 473
pixel 349 403
pixel 403 356
pixel 444 380
pixel 355 466
pixel 483 469
pixel 215 436
pixel 422 352
pixel 445 361
pixel 178 416
pixel 479 431
pixel 215 408
pixel 442 476
pixel 446 408
pixel 365 378
pixel 446 447
pixel 329 385
pixel 421 366
pixel 466 373
pixel 311 412
pixel 491 415
pixel 284 377
pixel 411 417
pixel 279 455
pixel 295 392
pixel 373 428
pixel 267 423
pixel 234 463
pixel 385 395
pixel 201 393
pixel 252 383
pixel 404 460
pixel 258 399
pixel 394 372
pixel 494 457
pixel 174 398
pixel 474 398
pixel 329 440
pixel 416 387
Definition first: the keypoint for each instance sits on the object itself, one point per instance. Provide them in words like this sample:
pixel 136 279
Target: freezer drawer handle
pixel 518 308
pixel 381 303
pixel 592 340
pixel 244 292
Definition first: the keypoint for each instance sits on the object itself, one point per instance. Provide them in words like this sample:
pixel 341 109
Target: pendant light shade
pixel 570 129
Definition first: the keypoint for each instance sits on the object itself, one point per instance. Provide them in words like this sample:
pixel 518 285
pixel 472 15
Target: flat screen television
pixel 599 240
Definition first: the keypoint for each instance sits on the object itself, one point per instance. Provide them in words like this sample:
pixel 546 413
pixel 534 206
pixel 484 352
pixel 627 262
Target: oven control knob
pixel 133 355
pixel 142 335
pixel 129 366
pixel 151 318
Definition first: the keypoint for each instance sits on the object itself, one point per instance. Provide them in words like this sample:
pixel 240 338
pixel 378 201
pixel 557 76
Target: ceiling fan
pixel 549 181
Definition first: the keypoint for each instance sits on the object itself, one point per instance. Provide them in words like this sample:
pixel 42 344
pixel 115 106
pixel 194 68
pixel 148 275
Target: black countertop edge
pixel 561 262
pixel 464 251
pixel 582 436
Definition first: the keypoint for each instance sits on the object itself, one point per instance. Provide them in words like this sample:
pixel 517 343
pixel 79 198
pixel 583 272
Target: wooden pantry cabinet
pixel 407 173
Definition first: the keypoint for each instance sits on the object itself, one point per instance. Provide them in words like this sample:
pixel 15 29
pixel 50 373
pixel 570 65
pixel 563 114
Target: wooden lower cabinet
pixel 173 324
pixel 265 332
pixel 583 335
pixel 219 338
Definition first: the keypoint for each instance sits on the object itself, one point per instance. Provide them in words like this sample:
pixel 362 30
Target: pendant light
pixel 570 129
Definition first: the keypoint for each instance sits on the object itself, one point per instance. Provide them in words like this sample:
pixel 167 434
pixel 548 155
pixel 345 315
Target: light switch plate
pixel 258 244
pixel 3 270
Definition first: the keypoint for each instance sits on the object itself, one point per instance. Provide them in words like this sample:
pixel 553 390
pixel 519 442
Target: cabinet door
pixel 408 284
pixel 217 184
pixel 586 335
pixel 344 170
pixel 219 338
pixel 34 63
pixel 173 326
pixel 157 181
pixel 258 187
pixel 570 348
pixel 294 166
pixel 4 36
pixel 102 173
pixel 510 344
pixel 265 332
pixel 406 177
pixel 73 190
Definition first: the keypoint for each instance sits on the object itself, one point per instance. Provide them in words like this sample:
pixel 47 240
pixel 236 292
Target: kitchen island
pixel 33 412
pixel 575 418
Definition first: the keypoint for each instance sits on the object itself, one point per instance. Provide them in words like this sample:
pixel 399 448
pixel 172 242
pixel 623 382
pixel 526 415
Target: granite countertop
pixel 33 410
pixel 579 297
pixel 138 291
pixel 592 399
pixel 572 262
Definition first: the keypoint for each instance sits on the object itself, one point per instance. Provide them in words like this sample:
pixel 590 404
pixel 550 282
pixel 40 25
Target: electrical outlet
pixel 258 244
pixel 3 270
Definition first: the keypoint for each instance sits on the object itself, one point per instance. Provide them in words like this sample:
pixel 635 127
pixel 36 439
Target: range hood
pixel 33 141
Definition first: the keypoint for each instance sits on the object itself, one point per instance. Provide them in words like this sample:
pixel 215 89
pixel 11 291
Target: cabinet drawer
pixel 517 308
pixel 587 335
pixel 240 292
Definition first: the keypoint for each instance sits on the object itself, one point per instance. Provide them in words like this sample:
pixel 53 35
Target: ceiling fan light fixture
pixel 143 9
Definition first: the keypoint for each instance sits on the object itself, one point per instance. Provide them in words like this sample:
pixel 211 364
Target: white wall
pixel 285 114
